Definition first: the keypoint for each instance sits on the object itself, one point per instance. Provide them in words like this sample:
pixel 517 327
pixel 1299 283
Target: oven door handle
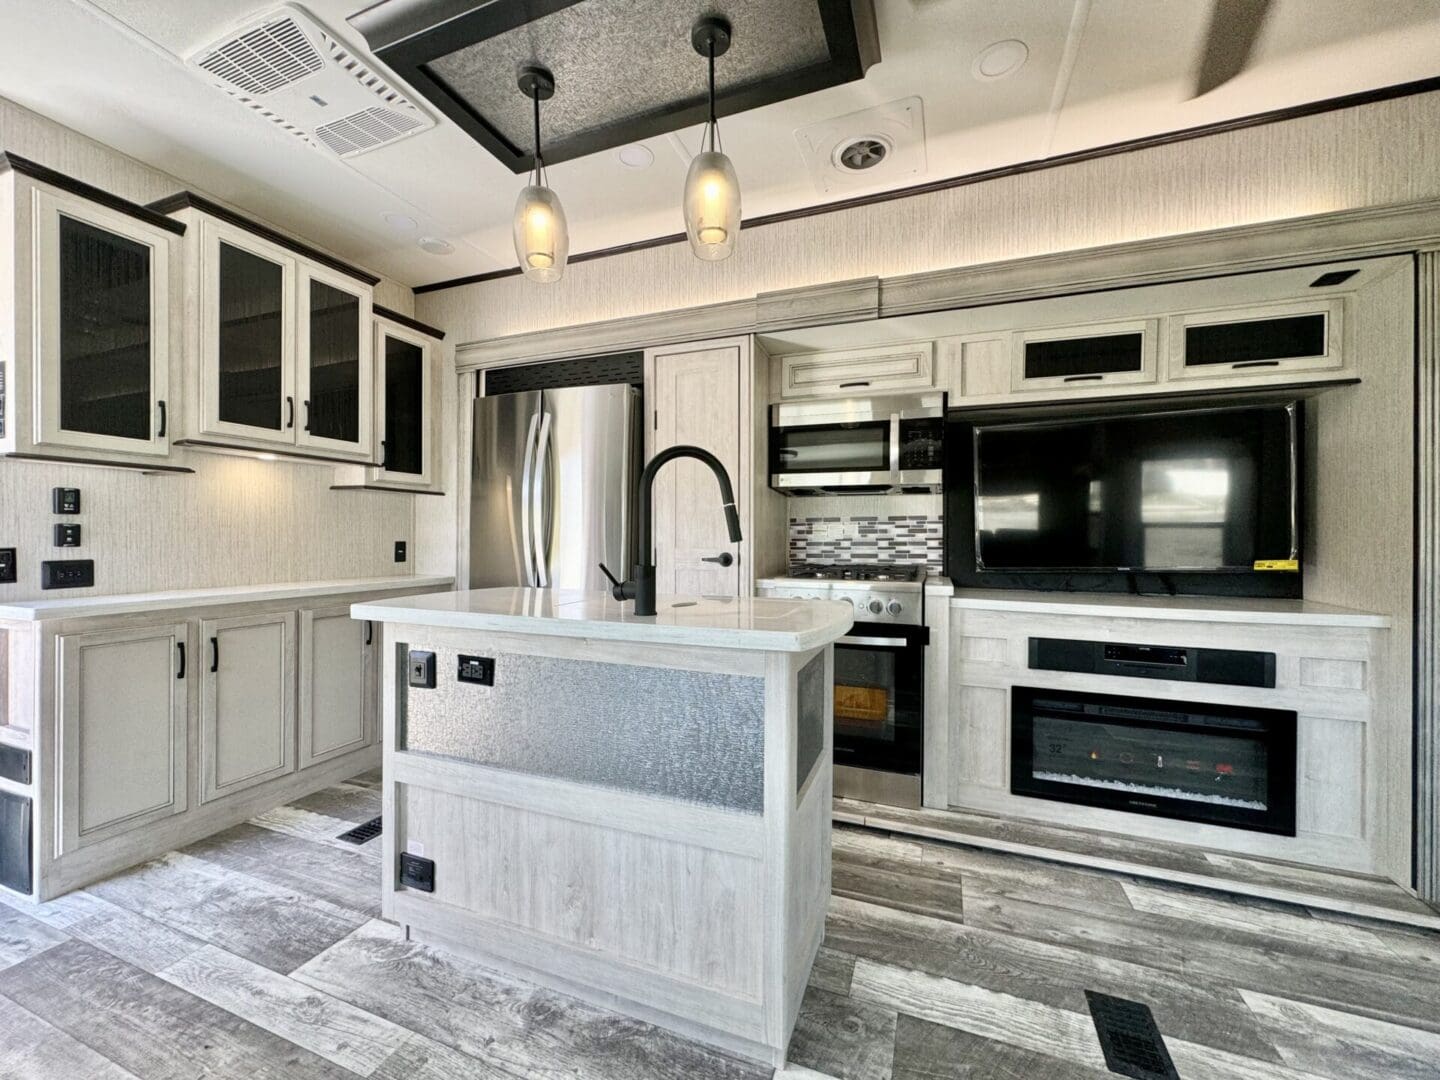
pixel 876 642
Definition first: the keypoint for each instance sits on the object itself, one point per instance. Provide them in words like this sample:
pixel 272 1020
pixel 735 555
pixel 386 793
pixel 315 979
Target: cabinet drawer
pixel 858 371
pixel 1262 340
pixel 1083 357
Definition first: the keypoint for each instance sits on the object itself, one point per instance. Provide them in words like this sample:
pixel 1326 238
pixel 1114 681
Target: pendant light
pixel 542 239
pixel 712 191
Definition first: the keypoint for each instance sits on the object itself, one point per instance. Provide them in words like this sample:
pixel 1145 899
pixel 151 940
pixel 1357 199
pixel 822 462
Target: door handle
pixel 384 456
pixel 541 492
pixel 369 631
pixel 527 502
pixel 724 558
pixel 290 407
pixel 307 415
pixel 214 654
pixel 163 423
pixel 180 646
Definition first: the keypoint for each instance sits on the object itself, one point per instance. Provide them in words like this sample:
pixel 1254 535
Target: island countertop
pixel 772 625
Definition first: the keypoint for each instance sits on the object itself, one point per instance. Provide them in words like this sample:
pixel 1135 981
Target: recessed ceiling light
pixel 400 222
pixel 435 246
pixel 999 60
pixel 635 156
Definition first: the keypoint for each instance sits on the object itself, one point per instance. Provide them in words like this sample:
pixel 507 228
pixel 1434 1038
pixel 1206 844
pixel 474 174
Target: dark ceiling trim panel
pixel 1292 112
pixel 406 320
pixel 182 200
pixel 25 167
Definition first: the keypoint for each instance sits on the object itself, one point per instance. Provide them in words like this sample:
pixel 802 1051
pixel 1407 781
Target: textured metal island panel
pixel 689 735
pixel 810 705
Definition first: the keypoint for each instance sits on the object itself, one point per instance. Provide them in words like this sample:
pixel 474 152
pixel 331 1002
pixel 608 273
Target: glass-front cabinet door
pixel 103 320
pixel 403 405
pixel 334 373
pixel 247 336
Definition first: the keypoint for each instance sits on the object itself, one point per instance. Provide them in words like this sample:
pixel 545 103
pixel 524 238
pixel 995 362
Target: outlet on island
pixel 9 572
pixel 400 553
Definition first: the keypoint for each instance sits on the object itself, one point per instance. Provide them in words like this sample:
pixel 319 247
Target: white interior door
pixel 247 703
pixel 695 400
pixel 124 707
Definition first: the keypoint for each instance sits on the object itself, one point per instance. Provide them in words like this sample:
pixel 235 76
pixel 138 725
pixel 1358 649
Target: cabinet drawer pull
pixel 214 654
pixel 1083 378
pixel 848 385
pixel 163 424
pixel 290 406
pixel 180 647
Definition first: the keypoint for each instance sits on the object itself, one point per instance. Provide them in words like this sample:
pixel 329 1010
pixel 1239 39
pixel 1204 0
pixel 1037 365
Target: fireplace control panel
pixel 1227 667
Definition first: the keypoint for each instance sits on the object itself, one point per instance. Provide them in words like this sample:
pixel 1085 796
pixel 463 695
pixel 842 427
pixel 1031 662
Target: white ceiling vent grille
pixel 881 145
pixel 264 58
pixel 299 76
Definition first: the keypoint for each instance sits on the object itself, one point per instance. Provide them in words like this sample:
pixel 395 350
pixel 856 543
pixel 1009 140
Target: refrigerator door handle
pixel 543 521
pixel 527 486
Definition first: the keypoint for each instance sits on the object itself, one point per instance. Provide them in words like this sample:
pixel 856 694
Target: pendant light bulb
pixel 712 190
pixel 542 236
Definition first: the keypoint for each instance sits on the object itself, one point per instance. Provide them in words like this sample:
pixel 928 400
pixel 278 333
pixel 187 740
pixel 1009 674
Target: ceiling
pixel 1095 72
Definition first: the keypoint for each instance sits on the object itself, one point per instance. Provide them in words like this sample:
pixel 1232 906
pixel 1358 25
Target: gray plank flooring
pixel 257 954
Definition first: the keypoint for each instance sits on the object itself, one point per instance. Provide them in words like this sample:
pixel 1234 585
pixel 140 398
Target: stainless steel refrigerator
pixel 552 487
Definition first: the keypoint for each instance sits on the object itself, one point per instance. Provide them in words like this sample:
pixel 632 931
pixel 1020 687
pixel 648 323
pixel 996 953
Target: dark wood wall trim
pixel 25 167
pixel 406 320
pixel 188 199
pixel 1275 116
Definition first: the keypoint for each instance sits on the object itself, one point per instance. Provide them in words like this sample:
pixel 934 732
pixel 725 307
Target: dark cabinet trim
pixel 10 161
pixel 64 459
pixel 406 320
pixel 182 200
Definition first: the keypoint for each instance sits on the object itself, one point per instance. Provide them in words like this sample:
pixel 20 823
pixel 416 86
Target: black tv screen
pixel 1192 491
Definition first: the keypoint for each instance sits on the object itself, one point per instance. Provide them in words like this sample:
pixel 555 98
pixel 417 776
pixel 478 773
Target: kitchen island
pixel 634 810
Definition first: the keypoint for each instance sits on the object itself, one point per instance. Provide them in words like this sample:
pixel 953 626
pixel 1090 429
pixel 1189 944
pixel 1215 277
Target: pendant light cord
pixel 713 128
pixel 539 161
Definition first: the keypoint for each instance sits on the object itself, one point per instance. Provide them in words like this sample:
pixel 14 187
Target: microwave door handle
pixel 895 442
pixel 527 484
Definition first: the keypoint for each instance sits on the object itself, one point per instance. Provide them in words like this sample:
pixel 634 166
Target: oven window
pixel 865 694
pixel 848 448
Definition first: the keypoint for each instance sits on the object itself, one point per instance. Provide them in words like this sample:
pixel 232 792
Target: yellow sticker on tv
pixel 1277 564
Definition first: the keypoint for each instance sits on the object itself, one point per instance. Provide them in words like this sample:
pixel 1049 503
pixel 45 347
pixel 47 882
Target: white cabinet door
pixel 334 373
pixel 337 684
pixel 247 702
pixel 858 372
pixel 1260 339
pixel 123 710
pixel 404 410
pixel 695 400
pixel 247 302
pixel 101 310
pixel 1083 357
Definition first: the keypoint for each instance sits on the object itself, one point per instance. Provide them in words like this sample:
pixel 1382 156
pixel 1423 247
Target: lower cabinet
pixel 247 701
pixel 123 711
pixel 338 678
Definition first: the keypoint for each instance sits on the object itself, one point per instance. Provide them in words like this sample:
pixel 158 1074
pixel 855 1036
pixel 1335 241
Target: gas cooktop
pixel 855 572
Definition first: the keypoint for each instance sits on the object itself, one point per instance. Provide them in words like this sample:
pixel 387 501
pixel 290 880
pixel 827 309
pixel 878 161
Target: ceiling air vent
pixel 880 145
pixel 299 76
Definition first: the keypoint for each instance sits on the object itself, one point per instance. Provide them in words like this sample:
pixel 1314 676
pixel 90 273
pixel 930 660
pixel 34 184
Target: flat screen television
pixel 1199 500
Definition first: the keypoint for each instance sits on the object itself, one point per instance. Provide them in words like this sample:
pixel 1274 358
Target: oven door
pixel 880 699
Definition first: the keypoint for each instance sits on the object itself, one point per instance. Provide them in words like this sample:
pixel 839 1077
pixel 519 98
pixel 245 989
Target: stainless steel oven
pixel 858 445
pixel 880 713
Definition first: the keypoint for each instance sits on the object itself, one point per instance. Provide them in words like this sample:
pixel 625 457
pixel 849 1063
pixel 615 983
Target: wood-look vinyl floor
pixel 258 954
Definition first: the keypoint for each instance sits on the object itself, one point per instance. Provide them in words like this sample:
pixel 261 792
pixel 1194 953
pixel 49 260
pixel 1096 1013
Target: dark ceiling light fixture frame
pixel 408 36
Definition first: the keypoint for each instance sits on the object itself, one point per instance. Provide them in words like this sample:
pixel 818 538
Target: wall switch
pixel 67 574
pixel 399 550
pixel 9 569
pixel 417 873
pixel 420 668
pixel 67 535
pixel 65 500
pixel 477 669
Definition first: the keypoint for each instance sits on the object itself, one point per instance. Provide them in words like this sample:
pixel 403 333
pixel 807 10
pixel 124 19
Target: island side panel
pixel 667 908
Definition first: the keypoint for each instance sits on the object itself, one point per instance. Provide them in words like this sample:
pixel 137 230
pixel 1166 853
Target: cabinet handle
pixel 369 631
pixel 307 415
pixel 1254 363
pixel 848 385
pixel 214 654
pixel 163 424
pixel 180 645
pixel 384 456
pixel 290 405
pixel 1083 378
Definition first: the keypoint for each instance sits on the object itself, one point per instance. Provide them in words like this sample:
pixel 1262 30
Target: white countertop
pixel 771 625
pixel 1232 609
pixel 84 607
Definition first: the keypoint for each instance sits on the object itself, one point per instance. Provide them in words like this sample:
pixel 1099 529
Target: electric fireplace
pixel 1217 764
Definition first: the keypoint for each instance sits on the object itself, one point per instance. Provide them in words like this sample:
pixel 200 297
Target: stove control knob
pixel 893 607
pixel 875 607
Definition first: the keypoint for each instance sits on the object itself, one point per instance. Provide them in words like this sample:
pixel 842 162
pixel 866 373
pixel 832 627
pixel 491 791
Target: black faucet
pixel 641 588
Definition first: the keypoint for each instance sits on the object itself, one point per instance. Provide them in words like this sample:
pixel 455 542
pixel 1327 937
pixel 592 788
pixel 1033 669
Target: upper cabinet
pixel 857 372
pixel 281 336
pixel 1260 339
pixel 88 325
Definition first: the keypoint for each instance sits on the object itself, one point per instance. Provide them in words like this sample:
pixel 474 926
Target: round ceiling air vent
pixel 857 155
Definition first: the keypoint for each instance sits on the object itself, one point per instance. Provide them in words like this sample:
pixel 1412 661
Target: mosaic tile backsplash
pixel 869 538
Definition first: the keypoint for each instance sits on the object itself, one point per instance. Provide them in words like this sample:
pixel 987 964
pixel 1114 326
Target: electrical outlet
pixel 477 669
pixel 399 550
pixel 9 569
pixel 67 574
pixel 420 667
pixel 67 535
pixel 417 873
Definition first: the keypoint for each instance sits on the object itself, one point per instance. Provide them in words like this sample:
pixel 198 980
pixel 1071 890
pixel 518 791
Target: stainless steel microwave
pixel 858 446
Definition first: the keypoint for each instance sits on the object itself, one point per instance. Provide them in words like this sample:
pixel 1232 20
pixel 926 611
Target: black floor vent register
pixel 360 833
pixel 1132 1043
